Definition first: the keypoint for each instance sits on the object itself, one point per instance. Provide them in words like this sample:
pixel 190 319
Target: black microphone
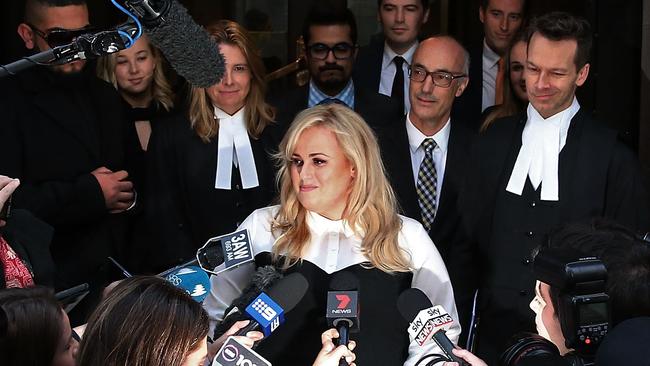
pixel 266 311
pixel 343 307
pixel 186 45
pixel 263 278
pixel 427 321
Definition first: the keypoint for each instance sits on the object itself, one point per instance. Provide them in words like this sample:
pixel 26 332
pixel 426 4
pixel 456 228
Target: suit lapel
pixel 397 157
pixel 457 148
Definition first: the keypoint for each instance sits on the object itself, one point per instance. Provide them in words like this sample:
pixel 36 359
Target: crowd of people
pixel 408 163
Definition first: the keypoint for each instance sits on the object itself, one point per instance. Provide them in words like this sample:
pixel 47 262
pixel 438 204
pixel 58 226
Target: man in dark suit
pixel 438 76
pixel 383 64
pixel 62 135
pixel 501 19
pixel 330 35
pixel 535 171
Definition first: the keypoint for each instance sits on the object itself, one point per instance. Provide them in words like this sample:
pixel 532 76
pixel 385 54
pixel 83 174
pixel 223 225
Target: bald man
pixel 62 136
pixel 438 76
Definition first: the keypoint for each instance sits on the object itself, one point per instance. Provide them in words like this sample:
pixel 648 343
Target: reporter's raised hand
pixel 116 188
pixel 248 340
pixel 466 355
pixel 330 355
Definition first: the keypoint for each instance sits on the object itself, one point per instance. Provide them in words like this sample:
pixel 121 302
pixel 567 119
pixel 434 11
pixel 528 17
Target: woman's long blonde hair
pixel 371 209
pixel 258 113
pixel 161 90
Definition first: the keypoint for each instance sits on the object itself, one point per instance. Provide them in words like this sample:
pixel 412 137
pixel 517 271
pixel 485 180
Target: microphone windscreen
pixel 288 291
pixel 263 278
pixel 193 280
pixel 188 47
pixel 344 281
pixel 411 302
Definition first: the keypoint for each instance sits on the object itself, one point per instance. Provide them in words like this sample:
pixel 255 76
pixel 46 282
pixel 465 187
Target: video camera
pixel 577 284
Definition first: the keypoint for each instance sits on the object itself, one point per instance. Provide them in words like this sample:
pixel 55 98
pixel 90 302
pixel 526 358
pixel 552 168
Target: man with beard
pixel 62 136
pixel 330 36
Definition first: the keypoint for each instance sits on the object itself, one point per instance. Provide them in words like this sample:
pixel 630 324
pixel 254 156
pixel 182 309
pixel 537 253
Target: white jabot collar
pixel 234 148
pixel 541 143
pixel 321 225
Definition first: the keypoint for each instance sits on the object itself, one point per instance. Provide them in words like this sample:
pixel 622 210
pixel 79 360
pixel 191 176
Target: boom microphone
pixel 427 321
pixel 267 311
pixel 263 278
pixel 186 45
pixel 343 306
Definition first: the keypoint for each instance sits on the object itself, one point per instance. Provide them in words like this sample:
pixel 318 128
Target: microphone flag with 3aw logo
pixel 233 353
pixel 193 280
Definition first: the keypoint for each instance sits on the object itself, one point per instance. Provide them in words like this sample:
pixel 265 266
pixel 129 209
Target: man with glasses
pixel 330 36
pixel 383 64
pixel 425 154
pixel 62 136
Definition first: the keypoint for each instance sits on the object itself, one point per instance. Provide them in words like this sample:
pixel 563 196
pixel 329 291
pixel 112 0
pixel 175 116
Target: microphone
pixel 233 353
pixel 266 311
pixel 343 307
pixel 263 278
pixel 186 45
pixel 427 321
pixel 233 249
pixel 193 280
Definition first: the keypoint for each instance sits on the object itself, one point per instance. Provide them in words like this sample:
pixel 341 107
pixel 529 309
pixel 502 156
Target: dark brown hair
pixel 144 321
pixel 561 26
pixel 32 328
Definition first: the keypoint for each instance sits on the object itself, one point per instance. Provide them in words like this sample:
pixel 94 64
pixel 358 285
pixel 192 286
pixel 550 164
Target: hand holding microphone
pixel 343 307
pixel 247 340
pixel 330 354
pixel 428 323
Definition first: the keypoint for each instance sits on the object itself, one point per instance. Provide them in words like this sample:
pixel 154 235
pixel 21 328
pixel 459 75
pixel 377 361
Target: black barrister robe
pixel 598 177
pixel 185 209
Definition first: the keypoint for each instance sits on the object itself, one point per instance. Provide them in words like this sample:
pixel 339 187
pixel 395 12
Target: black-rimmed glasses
pixel 58 36
pixel 440 78
pixel 341 51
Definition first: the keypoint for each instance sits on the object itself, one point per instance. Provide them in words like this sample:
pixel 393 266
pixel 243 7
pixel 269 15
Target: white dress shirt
pixel 388 72
pixel 490 70
pixel 439 153
pixel 335 246
pixel 234 149
pixel 538 159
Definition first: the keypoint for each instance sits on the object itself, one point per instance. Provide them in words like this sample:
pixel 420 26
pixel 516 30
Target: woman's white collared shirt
pixel 335 246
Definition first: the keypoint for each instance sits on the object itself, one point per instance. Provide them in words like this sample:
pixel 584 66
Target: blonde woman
pixel 337 212
pixel 210 165
pixel 147 98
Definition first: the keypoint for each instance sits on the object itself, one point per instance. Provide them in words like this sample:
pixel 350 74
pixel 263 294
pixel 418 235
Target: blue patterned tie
pixel 427 184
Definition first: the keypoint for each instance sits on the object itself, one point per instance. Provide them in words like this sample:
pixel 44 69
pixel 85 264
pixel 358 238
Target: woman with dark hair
pixel 145 321
pixel 34 329
pixel 211 166
pixel 337 213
